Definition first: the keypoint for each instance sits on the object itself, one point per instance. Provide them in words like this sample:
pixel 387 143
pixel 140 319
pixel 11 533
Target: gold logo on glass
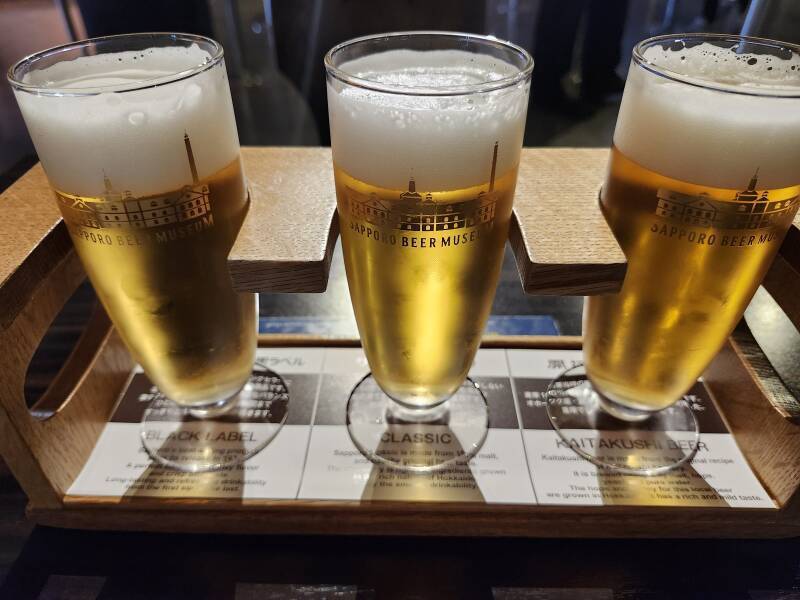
pixel 413 211
pixel 121 209
pixel 748 210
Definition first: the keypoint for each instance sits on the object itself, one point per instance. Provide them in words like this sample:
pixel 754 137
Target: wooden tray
pixel 39 271
pixel 768 441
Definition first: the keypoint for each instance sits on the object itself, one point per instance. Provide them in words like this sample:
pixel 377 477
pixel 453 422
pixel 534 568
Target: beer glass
pixel 702 186
pixel 136 134
pixel 426 133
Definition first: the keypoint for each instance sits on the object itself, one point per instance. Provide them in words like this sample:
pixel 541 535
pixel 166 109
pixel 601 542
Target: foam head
pixel 444 142
pixel 732 113
pixel 116 128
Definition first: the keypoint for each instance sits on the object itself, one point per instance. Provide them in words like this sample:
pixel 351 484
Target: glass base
pixel 421 441
pixel 219 436
pixel 626 440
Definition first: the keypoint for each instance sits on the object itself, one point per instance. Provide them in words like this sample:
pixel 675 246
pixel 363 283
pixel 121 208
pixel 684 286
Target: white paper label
pixel 523 461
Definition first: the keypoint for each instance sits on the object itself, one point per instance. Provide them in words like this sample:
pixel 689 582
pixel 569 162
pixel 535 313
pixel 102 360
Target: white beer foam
pixel 135 138
pixel 712 137
pixel 442 142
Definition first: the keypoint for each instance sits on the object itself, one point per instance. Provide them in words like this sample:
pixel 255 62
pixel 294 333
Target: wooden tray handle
pixel 31 298
pixel 61 388
pixel 46 455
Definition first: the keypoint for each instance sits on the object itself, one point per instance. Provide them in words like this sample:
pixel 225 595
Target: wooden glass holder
pixel 562 246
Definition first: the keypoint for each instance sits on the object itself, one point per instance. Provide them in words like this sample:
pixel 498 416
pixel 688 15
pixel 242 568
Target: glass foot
pixel 426 440
pixel 217 437
pixel 636 444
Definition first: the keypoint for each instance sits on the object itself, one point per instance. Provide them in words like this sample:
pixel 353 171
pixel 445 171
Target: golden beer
pixel 696 255
pixel 425 170
pixel 158 264
pixel 422 268
pixel 138 139
pixel 701 188
pixel 426 134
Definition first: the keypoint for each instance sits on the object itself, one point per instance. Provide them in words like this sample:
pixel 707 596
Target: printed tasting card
pixel 523 461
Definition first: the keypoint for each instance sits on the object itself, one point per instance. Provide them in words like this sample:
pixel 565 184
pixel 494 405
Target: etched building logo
pixel 749 209
pixel 122 209
pixel 413 211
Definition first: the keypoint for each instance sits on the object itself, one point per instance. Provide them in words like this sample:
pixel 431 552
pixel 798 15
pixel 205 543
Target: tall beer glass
pixel 137 136
pixel 702 186
pixel 426 132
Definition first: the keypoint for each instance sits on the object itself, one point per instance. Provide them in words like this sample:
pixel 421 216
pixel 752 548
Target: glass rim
pixel 667 73
pixel 455 90
pixel 217 54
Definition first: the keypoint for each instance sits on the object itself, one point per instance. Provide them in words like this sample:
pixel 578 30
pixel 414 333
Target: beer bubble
pixel 137 118
pixel 190 97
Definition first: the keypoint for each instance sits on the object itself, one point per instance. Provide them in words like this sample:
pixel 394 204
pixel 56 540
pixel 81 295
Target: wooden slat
pixel 418 518
pixel 309 340
pixel 287 239
pixel 39 270
pixel 559 235
pixel 563 245
pixel 783 279
pixel 770 442
pixel 46 455
pixel 29 216
pixel 288 236
pixel 790 250
pixel 285 244
pixel 769 380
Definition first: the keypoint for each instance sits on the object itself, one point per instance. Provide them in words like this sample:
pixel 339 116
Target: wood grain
pixel 767 378
pixel 563 246
pixel 560 238
pixel 783 279
pixel 285 244
pixel 75 366
pixel 422 519
pixel 783 284
pixel 287 239
pixel 564 342
pixel 46 455
pixel 39 270
pixel 770 442
pixel 30 215
pixel 790 249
